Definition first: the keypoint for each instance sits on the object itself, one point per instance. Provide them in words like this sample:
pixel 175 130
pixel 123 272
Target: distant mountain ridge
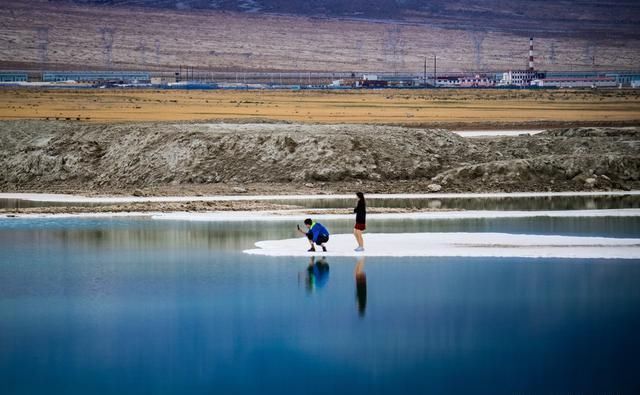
pixel 621 16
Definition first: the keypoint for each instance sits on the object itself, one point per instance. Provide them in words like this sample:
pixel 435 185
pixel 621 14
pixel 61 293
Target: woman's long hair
pixel 360 196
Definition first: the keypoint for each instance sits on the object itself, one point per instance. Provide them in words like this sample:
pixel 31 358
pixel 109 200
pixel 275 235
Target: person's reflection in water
pixel 317 274
pixel 361 286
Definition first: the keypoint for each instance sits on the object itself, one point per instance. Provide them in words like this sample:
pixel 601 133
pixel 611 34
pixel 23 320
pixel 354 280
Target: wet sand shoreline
pixel 74 204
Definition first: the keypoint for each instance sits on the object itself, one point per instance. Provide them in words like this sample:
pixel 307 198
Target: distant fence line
pixel 273 77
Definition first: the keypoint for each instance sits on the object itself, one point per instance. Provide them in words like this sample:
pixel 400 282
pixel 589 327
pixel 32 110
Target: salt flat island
pixel 460 245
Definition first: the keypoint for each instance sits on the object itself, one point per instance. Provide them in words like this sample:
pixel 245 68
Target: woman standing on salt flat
pixel 361 219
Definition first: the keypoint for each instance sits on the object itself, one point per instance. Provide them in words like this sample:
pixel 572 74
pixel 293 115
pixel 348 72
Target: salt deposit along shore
pixel 65 198
pixel 459 245
pixel 493 133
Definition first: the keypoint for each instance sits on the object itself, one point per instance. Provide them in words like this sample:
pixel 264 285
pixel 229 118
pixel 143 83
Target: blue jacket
pixel 316 230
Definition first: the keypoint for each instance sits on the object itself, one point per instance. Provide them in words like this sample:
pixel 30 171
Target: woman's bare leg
pixel 358 234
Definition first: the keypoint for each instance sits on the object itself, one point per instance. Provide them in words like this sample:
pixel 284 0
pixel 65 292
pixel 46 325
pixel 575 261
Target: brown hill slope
pixel 41 34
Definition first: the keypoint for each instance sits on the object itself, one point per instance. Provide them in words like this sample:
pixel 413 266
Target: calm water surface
pixel 142 306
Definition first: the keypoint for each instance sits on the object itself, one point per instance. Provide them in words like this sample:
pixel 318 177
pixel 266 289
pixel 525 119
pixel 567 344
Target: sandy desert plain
pixel 451 109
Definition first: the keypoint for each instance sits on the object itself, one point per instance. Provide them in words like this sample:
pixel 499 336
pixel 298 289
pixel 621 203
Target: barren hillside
pixel 321 37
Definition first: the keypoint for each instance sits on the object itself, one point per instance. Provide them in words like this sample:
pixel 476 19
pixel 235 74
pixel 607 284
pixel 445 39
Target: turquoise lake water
pixel 133 305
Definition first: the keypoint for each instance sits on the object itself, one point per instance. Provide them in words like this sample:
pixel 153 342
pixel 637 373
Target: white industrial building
pixel 466 81
pixel 448 81
pixel 567 82
pixel 95 76
pixel 477 81
pixel 519 77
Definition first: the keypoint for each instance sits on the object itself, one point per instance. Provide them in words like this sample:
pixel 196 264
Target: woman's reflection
pixel 361 286
pixel 317 274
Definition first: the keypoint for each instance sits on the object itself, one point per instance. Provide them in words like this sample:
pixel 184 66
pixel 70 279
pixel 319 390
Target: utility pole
pixel 425 72
pixel 435 71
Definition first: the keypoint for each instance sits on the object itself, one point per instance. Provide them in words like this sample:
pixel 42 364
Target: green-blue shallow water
pixel 141 306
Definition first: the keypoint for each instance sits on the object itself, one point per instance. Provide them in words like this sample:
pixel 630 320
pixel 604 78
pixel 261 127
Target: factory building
pixel 466 81
pixel 371 84
pixel 448 81
pixel 624 78
pixel 403 81
pixel 477 81
pixel 96 76
pixel 12 76
pixel 568 82
pixel 370 81
pixel 520 77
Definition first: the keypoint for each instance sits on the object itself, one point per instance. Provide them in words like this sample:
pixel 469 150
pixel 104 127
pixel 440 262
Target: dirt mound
pixel 620 133
pixel 46 156
pixel 575 173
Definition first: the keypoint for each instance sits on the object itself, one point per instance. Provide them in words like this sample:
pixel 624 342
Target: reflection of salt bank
pixel 299 215
pixel 461 244
pixel 295 215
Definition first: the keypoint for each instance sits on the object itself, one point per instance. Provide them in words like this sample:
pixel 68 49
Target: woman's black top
pixel 361 212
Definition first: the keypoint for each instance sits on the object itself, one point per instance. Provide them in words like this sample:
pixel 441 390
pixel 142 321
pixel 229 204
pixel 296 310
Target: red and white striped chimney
pixel 531 54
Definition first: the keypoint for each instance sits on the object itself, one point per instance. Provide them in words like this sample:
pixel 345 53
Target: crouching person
pixel 317 234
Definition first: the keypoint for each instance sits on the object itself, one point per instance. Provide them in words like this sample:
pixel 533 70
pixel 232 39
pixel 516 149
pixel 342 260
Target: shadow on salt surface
pixel 460 244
